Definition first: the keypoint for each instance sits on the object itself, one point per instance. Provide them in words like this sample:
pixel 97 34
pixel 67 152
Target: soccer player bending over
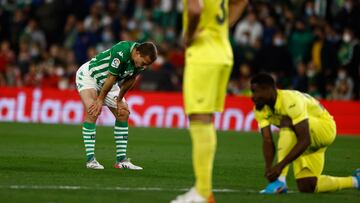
pixel 97 83
pixel 306 130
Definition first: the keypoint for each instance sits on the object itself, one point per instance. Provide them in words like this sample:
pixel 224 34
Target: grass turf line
pixel 53 155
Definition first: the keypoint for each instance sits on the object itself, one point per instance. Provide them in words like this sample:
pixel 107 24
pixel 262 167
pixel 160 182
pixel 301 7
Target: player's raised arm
pixel 236 9
pixel 194 9
pixel 95 107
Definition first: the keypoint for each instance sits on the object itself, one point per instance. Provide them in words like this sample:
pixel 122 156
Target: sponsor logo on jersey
pixel 128 72
pixel 115 63
pixel 121 54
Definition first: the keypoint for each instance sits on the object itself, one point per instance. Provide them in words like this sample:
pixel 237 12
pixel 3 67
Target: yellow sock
pixel 330 184
pixel 203 151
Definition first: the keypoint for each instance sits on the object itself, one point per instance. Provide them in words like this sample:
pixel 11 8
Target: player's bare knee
pixel 305 189
pixel 123 114
pixel 90 118
pixel 306 185
pixel 204 118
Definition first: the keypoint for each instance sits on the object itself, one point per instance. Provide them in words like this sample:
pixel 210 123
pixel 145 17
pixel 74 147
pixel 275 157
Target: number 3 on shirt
pixel 220 19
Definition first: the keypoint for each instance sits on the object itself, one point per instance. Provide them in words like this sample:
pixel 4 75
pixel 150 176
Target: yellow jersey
pixel 211 43
pixel 294 104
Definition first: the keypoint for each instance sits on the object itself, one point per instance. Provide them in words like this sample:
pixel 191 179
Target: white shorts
pixel 85 81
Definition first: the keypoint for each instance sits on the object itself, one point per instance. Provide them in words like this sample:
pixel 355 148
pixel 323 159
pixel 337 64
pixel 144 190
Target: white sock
pixel 355 182
pixel 282 179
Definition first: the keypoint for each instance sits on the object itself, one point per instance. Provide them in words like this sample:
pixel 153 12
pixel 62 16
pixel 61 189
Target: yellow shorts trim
pixel 205 87
pixel 309 164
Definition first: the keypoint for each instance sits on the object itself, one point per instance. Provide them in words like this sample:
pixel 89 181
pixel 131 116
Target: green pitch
pixel 45 163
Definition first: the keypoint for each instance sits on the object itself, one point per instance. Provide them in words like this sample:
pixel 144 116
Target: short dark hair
pixel 263 79
pixel 147 49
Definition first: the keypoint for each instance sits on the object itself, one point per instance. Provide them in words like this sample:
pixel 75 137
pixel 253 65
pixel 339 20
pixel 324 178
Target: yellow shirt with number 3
pixel 211 44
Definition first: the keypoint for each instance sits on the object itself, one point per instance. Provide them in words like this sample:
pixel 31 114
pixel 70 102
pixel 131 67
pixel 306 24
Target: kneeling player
pixel 306 130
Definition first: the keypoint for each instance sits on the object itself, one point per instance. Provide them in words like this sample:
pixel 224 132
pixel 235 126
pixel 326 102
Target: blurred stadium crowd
pixel 308 45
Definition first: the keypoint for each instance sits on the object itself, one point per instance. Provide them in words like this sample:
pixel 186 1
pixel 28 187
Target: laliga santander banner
pixel 147 109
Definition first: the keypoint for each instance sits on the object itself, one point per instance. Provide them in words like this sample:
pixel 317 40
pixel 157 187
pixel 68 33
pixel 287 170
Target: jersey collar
pixel 133 46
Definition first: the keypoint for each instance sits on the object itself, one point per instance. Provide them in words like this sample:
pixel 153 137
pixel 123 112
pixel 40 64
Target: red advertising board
pixel 147 109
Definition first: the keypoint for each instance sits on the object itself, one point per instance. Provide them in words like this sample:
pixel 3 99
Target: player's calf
pixel 307 185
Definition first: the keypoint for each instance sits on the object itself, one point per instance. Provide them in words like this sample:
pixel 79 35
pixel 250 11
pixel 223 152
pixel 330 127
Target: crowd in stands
pixel 308 45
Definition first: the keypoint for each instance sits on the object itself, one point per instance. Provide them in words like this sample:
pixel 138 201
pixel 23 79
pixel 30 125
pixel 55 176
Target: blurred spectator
pixel 17 25
pixel 51 77
pixel 97 18
pixel 309 9
pixel 107 39
pixel 314 91
pixel 349 16
pixel 33 35
pixel 314 80
pixel 82 43
pixel 349 52
pixel 162 75
pixel 70 31
pixel 330 48
pixel 329 89
pixel 2 81
pixel 241 85
pixel 287 20
pixel 269 31
pixel 317 47
pixel 275 59
pixel 300 41
pixel 24 57
pixel 7 56
pixel 33 78
pixel 55 55
pixel 13 76
pixel 343 86
pixel 300 80
pixel 349 56
pixel 249 30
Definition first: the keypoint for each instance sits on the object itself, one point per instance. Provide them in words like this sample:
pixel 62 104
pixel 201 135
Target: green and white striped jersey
pixel 116 60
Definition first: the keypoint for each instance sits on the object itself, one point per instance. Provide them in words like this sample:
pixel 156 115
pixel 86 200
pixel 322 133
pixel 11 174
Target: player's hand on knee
pixel 95 107
pixel 122 108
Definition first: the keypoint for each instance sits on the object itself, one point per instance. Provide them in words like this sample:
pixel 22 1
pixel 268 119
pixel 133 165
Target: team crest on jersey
pixel 115 63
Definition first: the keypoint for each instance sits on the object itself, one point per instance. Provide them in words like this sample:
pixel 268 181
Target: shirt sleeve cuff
pixel 263 124
pixel 299 119
pixel 112 73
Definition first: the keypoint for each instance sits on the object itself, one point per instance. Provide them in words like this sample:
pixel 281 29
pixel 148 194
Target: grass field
pixel 45 164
